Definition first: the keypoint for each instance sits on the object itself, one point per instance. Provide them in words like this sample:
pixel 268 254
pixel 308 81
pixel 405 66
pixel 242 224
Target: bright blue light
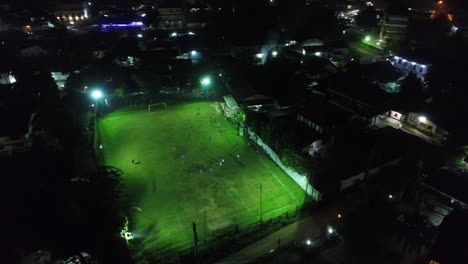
pixel 132 24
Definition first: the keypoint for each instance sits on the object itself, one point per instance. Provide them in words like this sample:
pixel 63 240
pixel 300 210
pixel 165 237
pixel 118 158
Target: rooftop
pixel 453 183
pixel 382 71
pixel 325 114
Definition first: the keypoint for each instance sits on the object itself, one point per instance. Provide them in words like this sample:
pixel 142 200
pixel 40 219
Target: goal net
pixel 155 107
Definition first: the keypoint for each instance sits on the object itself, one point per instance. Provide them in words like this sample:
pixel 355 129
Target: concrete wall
pixel 361 176
pixel 413 119
pixel 300 179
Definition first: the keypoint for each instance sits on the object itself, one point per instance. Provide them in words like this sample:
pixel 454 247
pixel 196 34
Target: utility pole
pixel 195 239
pixel 307 186
pixel 204 228
pixel 261 204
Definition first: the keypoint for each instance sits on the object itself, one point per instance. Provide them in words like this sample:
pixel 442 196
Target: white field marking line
pixel 242 201
pixel 274 175
pixel 270 212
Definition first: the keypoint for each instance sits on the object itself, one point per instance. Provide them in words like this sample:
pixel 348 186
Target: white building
pixel 60 78
pixel 9 146
pixel 7 78
pixel 415 66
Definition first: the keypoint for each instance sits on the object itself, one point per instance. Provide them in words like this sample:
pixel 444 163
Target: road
pixel 305 229
pixel 365 53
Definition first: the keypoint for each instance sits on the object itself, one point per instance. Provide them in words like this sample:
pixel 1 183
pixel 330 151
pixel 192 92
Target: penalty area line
pixel 238 195
pixel 274 175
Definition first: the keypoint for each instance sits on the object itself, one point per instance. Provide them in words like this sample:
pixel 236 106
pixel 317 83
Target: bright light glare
pixel 96 94
pixel 303 52
pixel 422 119
pixel 143 15
pixel 193 52
pixel 390 196
pixel 330 230
pixel 308 242
pixel 259 55
pixel 139 35
pixel 206 81
pixel 191 33
pixel 274 53
pixel 174 34
pixel 318 54
pixel 367 38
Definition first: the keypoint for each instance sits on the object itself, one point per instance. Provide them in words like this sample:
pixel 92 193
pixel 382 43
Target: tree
pixel 293 159
pixel 411 87
pixel 367 18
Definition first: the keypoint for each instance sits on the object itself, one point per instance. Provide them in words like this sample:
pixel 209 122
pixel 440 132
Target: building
pixel 60 78
pixel 451 244
pixel 71 12
pixel 7 78
pixel 422 120
pixel 10 146
pixel 412 64
pixel 357 96
pixel 394 27
pixel 384 75
pixel 171 15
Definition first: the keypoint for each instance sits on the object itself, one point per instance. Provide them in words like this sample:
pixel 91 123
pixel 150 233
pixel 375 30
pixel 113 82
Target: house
pixel 356 96
pixel 60 78
pixel 33 51
pixel 10 146
pixel 448 187
pixel 69 12
pixel 411 63
pixel 199 15
pixel 322 119
pixel 384 75
pixel 171 15
pixel 451 244
pixel 424 120
pixel 7 78
pixel 375 150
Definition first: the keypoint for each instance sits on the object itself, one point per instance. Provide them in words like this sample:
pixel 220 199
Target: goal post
pixel 158 106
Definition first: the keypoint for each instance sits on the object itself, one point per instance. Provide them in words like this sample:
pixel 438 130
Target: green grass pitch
pixel 177 174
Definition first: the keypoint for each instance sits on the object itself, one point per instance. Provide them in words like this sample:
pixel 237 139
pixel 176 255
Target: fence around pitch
pixel 212 230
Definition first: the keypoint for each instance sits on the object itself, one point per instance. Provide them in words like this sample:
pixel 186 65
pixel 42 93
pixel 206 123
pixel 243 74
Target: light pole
pixel 96 95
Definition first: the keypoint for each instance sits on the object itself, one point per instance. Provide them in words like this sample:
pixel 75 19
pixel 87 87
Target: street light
pixel 140 35
pixel 205 81
pixel 274 53
pixel 422 119
pixel 96 94
pixel 193 53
